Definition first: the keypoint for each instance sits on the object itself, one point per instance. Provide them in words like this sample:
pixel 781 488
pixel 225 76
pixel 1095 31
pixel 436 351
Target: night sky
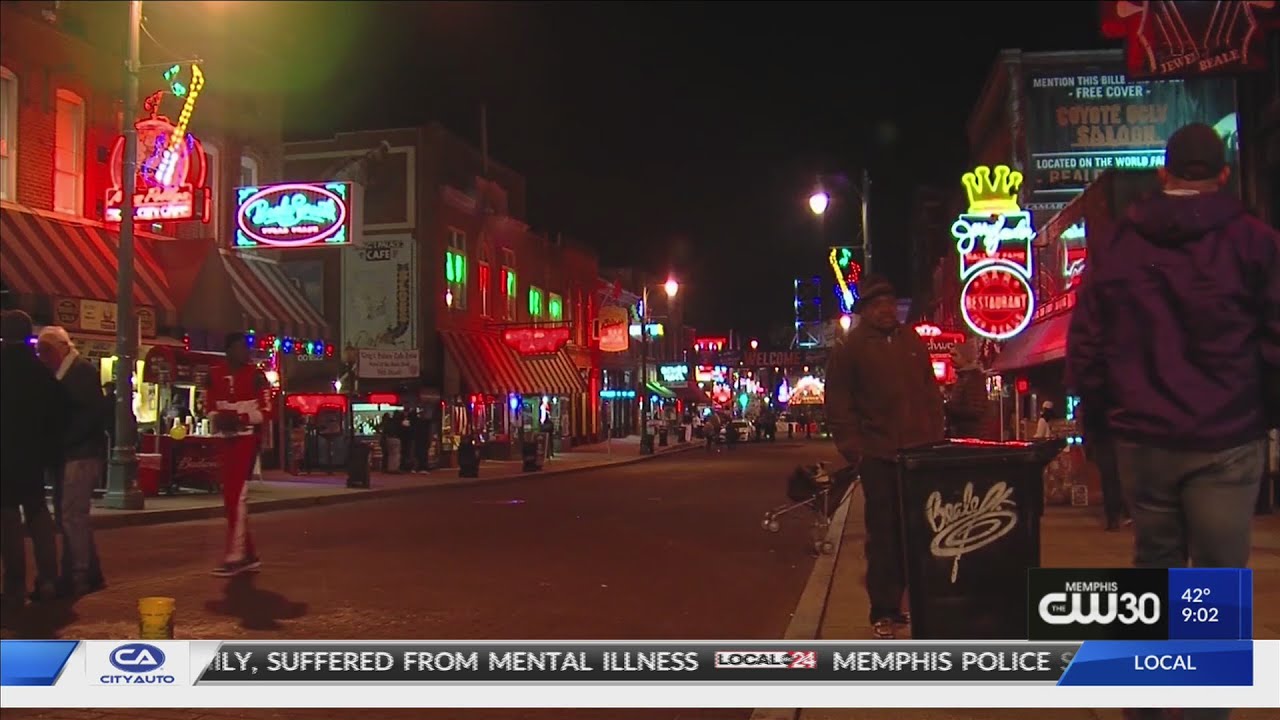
pixel 685 136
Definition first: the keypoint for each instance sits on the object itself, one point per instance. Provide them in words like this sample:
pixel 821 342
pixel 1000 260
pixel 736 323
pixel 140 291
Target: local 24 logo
pixel 1127 604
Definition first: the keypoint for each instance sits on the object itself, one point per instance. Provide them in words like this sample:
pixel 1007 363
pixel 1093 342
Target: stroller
pixel 822 492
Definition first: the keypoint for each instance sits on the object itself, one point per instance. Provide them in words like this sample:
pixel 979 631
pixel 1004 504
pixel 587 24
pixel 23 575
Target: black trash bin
pixel 358 465
pixel 971 530
pixel 662 436
pixel 530 455
pixel 646 444
pixel 468 459
pixel 682 434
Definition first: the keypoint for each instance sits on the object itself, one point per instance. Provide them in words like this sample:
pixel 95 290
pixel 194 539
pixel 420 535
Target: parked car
pixel 744 430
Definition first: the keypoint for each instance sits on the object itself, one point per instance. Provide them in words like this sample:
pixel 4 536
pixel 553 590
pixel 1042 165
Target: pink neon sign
pixel 293 215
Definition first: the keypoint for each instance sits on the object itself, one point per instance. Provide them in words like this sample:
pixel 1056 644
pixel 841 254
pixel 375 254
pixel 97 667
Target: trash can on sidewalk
pixel 970 514
pixel 358 466
pixel 530 455
pixel 663 436
pixel 682 434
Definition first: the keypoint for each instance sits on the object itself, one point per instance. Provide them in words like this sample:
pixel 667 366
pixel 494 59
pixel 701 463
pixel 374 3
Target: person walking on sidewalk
pixel 84 451
pixel 31 414
pixel 881 396
pixel 239 396
pixel 1175 340
pixel 970 413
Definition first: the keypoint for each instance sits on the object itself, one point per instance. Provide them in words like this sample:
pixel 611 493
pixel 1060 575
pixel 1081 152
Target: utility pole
pixel 122 475
pixel 643 383
pixel 866 226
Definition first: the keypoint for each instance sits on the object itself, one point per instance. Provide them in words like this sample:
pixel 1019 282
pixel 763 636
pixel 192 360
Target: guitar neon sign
pixel 293 215
pixel 172 166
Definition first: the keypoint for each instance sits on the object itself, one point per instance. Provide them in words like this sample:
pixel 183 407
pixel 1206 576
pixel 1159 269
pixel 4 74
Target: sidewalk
pixel 1071 537
pixel 279 490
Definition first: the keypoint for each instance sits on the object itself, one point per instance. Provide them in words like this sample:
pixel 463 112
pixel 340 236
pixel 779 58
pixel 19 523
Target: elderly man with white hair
pixel 84 449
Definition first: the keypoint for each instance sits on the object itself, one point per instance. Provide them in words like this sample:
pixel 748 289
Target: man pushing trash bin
pixel 881 397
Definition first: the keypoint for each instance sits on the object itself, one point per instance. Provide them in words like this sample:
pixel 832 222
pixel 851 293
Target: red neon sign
pixel 1190 38
pixel 997 302
pixel 293 215
pixel 384 399
pixel 536 341
pixel 170 184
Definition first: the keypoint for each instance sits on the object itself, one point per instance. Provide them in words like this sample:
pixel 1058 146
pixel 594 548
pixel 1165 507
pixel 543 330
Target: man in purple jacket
pixel 1175 341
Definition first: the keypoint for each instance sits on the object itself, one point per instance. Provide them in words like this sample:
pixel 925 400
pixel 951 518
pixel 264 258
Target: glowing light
pixel 448 298
pixel 845 322
pixel 818 202
pixel 755 344
pixel 992 192
pixel 293 215
pixel 170 160
pixel 671 287
pixel 847 273
pixel 997 301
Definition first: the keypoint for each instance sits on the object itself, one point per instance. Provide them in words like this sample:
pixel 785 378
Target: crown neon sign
pixel 997 301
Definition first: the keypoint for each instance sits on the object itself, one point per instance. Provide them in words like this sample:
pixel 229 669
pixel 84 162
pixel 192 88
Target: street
pixel 670 548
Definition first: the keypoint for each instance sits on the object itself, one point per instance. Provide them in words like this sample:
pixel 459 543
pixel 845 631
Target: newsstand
pixel 970 513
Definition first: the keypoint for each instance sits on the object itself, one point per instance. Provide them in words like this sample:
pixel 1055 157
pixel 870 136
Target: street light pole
pixel 122 476
pixel 866 228
pixel 643 383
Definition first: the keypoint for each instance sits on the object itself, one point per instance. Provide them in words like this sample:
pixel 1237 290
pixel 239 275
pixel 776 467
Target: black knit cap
pixel 872 287
pixel 16 326
pixel 1195 152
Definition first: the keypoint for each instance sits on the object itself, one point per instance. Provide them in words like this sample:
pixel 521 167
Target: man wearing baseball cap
pixel 1173 348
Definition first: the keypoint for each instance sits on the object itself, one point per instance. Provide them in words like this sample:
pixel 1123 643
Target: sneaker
pixel 231 569
pixel 884 629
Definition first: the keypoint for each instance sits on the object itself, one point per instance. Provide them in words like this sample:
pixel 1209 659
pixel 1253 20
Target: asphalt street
pixel 670 548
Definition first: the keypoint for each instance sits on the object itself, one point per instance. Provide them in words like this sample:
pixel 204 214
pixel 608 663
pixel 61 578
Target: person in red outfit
pixel 239 403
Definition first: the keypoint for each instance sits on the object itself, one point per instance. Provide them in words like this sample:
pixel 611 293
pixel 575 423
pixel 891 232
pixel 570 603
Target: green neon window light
pixel 535 302
pixel 555 307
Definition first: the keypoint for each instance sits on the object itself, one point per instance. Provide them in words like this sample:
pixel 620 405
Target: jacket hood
pixel 1171 219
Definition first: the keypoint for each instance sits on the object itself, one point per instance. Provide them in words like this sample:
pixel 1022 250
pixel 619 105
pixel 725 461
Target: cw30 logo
pixel 1100 608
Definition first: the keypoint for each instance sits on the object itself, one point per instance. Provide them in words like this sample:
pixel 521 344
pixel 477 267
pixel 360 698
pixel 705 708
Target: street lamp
pixel 671 287
pixel 845 322
pixel 819 201
pixel 755 344
pixel 122 474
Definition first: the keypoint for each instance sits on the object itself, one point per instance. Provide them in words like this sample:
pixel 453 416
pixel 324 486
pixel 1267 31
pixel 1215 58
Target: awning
pixel 660 390
pixel 489 367
pixel 691 394
pixel 269 301
pixel 52 256
pixel 1042 342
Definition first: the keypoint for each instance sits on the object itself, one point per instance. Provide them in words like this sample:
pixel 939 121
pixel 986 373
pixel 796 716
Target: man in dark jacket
pixel 970 413
pixel 84 450
pixel 881 397
pixel 30 405
pixel 1176 328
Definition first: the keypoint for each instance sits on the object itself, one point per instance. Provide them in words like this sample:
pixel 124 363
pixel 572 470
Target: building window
pixel 555 307
pixel 485 278
pixel 510 293
pixel 535 303
pixel 68 154
pixel 455 270
pixel 8 135
pixel 248 171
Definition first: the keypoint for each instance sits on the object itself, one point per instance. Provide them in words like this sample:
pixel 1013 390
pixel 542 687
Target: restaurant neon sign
pixel 994 241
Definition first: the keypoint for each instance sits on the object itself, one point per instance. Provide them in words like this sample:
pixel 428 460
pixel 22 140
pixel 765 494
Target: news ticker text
pixel 136 663
pixel 1139 604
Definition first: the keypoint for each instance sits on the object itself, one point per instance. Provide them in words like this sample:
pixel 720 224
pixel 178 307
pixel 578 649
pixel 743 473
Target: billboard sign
pixel 1082 122
pixel 1191 37
pixel 293 215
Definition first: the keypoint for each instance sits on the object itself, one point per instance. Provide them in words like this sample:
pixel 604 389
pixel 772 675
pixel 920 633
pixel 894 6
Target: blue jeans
pixel 1192 507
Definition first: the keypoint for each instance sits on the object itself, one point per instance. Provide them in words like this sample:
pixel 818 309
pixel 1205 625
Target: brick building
pixel 61 118
pixel 445 242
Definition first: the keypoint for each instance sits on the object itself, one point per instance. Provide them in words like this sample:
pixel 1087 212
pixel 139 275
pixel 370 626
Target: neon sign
pixel 994 241
pixel 536 341
pixel 848 272
pixel 1074 253
pixel 293 215
pixel 172 166
pixel 674 374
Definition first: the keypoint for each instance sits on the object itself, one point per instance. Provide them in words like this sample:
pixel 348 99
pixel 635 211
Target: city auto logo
pixel 139 661
pixel 767 660
pixel 1099 604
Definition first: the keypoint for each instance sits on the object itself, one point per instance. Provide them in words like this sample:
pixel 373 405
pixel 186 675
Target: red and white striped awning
pixel 53 256
pixel 489 367
pixel 269 301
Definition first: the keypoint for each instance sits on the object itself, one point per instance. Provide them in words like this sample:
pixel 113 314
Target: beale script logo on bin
pixel 766 660
pixel 1073 604
pixel 162 663
pixel 969 523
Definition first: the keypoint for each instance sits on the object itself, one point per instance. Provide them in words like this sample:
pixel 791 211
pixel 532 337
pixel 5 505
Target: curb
pixel 164 517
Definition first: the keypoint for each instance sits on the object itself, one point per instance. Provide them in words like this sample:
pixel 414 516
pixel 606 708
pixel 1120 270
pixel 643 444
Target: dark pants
pixel 1103 455
pixel 33 512
pixel 73 498
pixel 886 574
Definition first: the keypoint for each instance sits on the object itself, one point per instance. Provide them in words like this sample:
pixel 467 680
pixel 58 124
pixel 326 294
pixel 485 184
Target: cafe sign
pixel 536 340
pixel 97 316
pixel 293 215
pixel 614 323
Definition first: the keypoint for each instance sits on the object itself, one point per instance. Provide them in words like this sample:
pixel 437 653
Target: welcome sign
pixel 294 215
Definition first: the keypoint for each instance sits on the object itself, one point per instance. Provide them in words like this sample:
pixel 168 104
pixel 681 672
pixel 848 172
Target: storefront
pixel 499 389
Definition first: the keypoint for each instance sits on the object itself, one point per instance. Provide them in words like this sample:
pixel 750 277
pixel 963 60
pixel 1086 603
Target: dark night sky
pixel 686 136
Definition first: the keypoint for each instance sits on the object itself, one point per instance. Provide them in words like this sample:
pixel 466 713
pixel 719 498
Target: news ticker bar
pixel 1224 663
pixel 1139 604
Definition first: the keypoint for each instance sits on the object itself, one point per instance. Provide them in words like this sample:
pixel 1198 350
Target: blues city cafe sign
pixel 293 215
pixel 994 241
